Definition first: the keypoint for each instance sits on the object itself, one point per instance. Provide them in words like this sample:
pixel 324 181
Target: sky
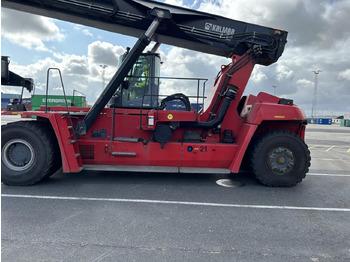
pixel 318 39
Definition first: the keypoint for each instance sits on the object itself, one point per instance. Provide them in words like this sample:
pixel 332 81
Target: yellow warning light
pixel 277 32
pixel 170 116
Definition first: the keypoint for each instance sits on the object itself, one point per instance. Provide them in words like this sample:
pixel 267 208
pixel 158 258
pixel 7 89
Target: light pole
pixel 103 75
pixel 314 100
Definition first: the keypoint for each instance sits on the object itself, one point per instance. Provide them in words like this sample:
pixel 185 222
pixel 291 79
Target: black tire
pixel 280 159
pixel 57 160
pixel 27 153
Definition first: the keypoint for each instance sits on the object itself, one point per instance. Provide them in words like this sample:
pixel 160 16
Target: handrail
pixel 197 96
pixel 64 93
pixel 76 91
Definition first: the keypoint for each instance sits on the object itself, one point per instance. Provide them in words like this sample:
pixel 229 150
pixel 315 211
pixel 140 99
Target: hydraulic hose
pixel 230 94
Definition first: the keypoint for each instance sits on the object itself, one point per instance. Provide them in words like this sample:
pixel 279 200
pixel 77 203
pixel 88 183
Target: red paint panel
pixel 243 139
pixel 263 111
pixel 150 154
pixel 208 155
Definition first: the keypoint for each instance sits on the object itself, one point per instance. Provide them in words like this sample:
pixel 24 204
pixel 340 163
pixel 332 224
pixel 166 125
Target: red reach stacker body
pixel 126 132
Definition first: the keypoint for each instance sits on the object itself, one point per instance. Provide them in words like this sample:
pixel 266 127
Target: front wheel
pixel 27 153
pixel 280 158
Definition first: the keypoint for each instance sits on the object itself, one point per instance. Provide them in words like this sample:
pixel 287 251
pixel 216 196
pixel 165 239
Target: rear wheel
pixel 280 158
pixel 27 153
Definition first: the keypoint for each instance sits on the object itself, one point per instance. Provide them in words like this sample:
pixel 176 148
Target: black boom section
pixel 188 28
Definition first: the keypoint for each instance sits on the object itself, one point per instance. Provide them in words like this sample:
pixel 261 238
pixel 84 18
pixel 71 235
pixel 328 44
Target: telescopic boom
pixel 188 28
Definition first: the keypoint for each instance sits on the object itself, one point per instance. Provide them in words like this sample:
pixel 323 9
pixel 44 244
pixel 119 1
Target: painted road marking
pixel 329 149
pixel 314 147
pixel 333 175
pixel 149 201
pixel 330 159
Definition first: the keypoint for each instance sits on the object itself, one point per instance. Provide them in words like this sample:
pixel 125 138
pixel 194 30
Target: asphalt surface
pixel 106 216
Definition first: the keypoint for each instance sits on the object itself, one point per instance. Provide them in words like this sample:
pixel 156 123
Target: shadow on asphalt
pixel 60 179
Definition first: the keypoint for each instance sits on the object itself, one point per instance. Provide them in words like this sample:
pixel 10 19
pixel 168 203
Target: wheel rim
pixel 281 160
pixel 18 154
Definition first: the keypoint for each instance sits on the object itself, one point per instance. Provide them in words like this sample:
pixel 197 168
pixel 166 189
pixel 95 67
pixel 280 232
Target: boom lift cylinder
pixel 136 51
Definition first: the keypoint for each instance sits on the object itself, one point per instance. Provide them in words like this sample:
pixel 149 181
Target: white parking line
pixel 330 159
pixel 148 201
pixel 334 175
